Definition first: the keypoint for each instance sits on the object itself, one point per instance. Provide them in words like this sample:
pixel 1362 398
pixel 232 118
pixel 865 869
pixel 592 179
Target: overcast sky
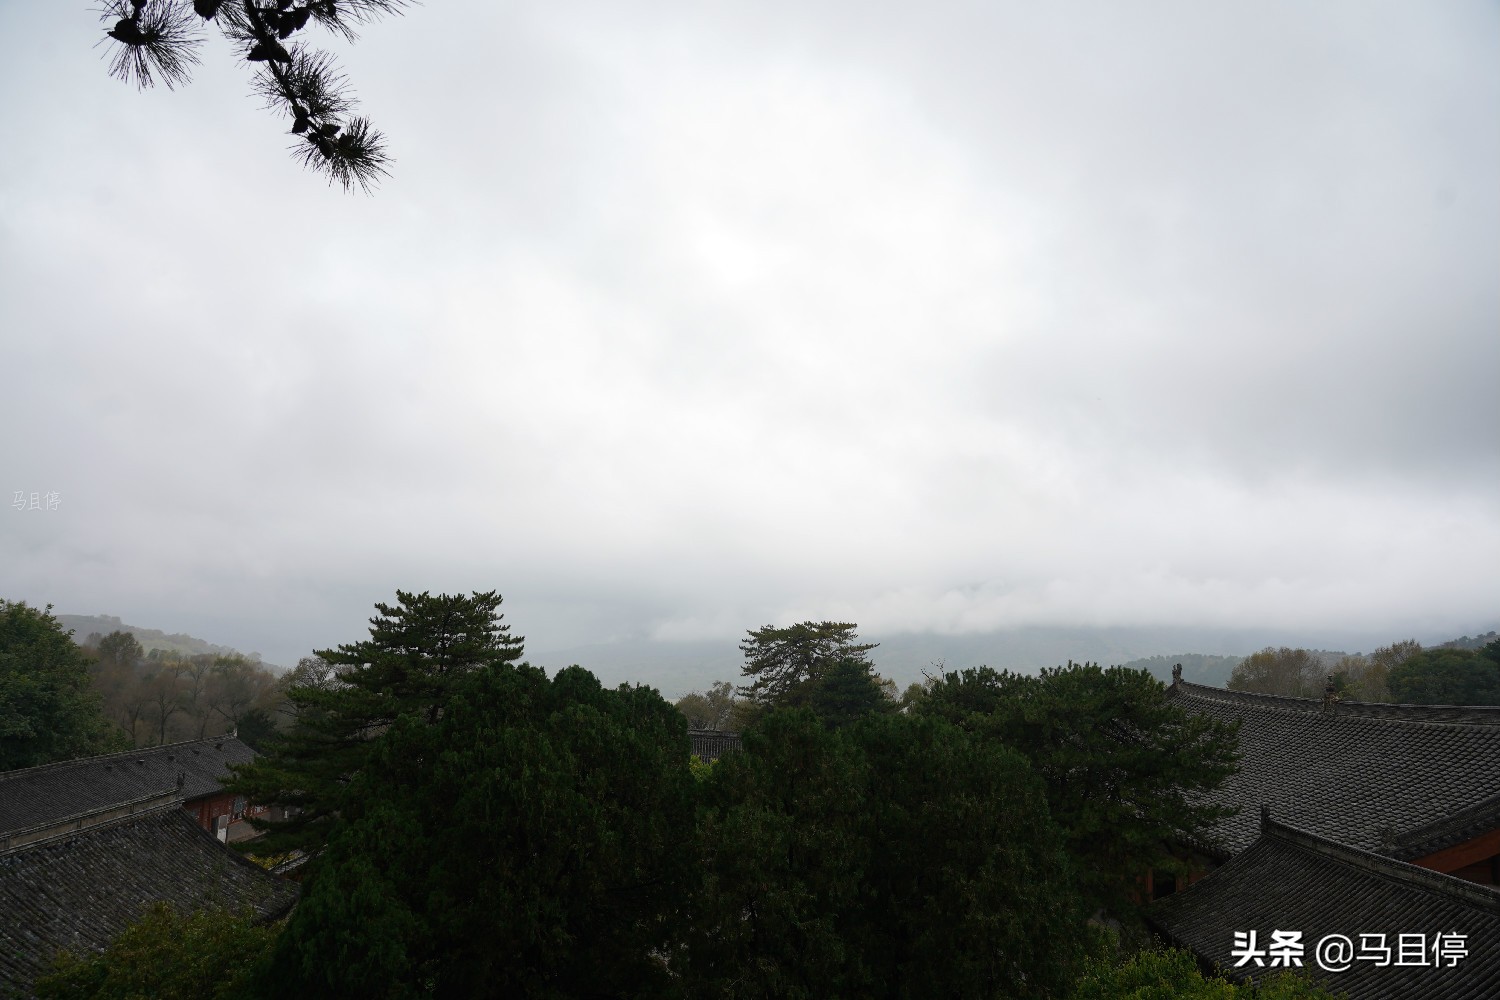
pixel 678 319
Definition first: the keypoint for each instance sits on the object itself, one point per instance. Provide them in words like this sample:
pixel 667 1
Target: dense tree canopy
pixel 895 857
pixel 1123 768
pixel 166 955
pixel 1448 675
pixel 535 840
pixel 48 711
pixel 158 40
pixel 848 691
pixel 417 651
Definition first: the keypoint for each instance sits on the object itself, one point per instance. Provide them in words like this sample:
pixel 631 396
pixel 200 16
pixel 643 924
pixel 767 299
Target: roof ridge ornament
pixel 1176 674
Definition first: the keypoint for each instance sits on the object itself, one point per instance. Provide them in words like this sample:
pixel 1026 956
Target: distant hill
pixel 150 638
pixel 676 667
pixel 1475 642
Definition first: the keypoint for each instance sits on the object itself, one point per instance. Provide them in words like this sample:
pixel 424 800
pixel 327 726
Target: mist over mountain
pixel 676 667
pixel 150 638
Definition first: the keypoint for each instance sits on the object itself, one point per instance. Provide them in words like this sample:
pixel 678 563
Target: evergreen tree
pixel 159 39
pixel 48 712
pixel 897 857
pixel 1125 770
pixel 417 651
pixel 535 841
pixel 846 692
pixel 782 663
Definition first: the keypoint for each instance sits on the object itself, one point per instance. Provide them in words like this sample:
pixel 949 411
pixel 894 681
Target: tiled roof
pixel 78 890
pixel 1292 880
pixel 711 744
pixel 1371 776
pixel 35 796
pixel 1463 825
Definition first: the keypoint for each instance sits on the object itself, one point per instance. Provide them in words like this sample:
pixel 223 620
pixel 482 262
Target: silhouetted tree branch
pixel 158 40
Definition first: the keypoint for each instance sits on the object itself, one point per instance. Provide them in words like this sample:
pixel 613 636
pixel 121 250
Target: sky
pixel 674 320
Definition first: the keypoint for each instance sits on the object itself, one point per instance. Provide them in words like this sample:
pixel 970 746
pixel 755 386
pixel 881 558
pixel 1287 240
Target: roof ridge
pixel 1380 865
pixel 1420 840
pixel 58 765
pixel 1444 715
pixel 68 826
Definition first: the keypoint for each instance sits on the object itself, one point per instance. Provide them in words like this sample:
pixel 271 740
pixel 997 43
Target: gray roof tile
pixel 1291 879
pixel 1371 776
pixel 35 796
pixel 79 890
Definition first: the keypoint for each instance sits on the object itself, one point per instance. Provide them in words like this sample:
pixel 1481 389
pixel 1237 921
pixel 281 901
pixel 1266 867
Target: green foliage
pixel 166 956
pixel 1174 975
pixel 532 841
pixel 256 728
pixel 1295 673
pixel 417 652
pixel 1124 769
pixel 701 768
pixel 895 857
pixel 782 663
pixel 848 691
pixel 1448 675
pixel 47 710
pixel 120 650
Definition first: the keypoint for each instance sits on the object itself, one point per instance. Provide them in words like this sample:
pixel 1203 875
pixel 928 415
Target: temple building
pixel 78 883
pixel 194 771
pixel 87 845
pixel 1420 783
pixel 1359 922
pixel 1352 818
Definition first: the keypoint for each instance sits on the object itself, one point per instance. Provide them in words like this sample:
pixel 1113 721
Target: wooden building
pixel 711 744
pixel 193 771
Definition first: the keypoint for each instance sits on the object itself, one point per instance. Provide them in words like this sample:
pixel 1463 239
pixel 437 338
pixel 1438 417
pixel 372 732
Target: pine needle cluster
pixel 158 41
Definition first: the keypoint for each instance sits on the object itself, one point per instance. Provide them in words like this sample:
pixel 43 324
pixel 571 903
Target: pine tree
pixel 1126 771
pixel 784 663
pixel 158 40
pixel 417 652
pixel 535 842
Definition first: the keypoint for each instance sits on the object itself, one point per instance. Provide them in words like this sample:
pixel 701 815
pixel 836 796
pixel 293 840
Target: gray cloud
pixel 673 321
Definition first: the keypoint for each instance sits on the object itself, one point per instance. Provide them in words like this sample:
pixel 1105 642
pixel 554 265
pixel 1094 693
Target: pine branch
pixel 151 37
pixel 157 39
